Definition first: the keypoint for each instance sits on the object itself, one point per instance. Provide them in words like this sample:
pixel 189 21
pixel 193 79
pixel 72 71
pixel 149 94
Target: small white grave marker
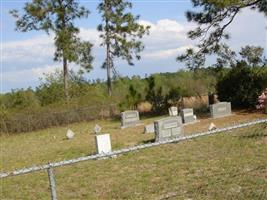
pixel 70 134
pixel 97 129
pixel 173 111
pixel 103 144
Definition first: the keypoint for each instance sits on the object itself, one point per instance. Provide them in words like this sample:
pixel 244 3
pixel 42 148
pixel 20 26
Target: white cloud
pixel 165 54
pixel 31 50
pixel 28 75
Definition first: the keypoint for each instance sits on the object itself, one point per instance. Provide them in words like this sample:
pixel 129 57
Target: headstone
pixel 212 127
pixel 97 129
pixel 129 118
pixel 221 109
pixel 149 128
pixel 168 128
pixel 70 134
pixel 103 144
pixel 173 111
pixel 188 116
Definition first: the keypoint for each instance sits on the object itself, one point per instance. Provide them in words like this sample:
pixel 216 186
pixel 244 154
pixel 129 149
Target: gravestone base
pixel 217 117
pixel 132 125
pixel 188 123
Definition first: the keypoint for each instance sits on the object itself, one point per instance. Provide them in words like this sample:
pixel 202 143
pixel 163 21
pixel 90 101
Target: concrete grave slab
pixel 168 128
pixel 103 144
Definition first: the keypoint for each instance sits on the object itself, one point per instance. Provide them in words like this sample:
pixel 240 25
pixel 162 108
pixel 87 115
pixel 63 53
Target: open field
pixel 217 167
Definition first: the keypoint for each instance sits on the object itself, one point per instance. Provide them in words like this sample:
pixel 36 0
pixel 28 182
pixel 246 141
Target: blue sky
pixel 26 56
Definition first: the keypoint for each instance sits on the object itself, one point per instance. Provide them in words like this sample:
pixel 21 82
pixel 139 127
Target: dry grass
pixel 216 167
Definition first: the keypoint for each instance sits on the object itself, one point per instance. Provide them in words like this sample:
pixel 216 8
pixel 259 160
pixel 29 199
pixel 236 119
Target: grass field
pixel 232 166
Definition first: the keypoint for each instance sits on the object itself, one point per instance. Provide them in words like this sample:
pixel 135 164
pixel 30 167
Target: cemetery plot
pixel 158 165
pixel 221 109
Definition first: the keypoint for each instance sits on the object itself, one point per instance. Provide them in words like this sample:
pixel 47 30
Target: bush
pixel 241 85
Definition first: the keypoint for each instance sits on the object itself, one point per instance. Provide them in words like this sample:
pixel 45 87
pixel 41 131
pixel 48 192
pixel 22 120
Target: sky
pixel 25 57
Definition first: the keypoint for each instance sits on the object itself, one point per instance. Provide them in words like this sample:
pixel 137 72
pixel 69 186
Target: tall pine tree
pixel 57 17
pixel 121 34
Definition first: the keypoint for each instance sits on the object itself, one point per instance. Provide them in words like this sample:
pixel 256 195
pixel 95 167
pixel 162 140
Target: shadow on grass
pixel 148 141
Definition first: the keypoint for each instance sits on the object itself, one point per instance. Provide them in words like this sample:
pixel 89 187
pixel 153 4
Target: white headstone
pixel 103 144
pixel 70 134
pixel 173 111
pixel 97 129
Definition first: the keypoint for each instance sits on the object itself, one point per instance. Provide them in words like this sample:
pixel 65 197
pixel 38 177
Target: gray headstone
pixel 187 115
pixel 103 144
pixel 149 128
pixel 173 111
pixel 221 109
pixel 168 128
pixel 129 118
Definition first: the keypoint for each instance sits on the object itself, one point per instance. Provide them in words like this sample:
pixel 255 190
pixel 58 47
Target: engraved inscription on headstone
pixel 221 109
pixel 173 111
pixel 168 128
pixel 187 115
pixel 129 118
pixel 103 144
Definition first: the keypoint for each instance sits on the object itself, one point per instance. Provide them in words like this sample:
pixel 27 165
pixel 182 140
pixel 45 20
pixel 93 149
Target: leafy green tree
pixel 57 17
pixel 121 34
pixel 242 85
pixel 253 55
pixel 213 17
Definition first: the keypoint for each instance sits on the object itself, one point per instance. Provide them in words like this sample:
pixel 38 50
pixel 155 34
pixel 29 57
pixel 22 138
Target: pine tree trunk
pixel 66 78
pixel 108 59
pixel 108 72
